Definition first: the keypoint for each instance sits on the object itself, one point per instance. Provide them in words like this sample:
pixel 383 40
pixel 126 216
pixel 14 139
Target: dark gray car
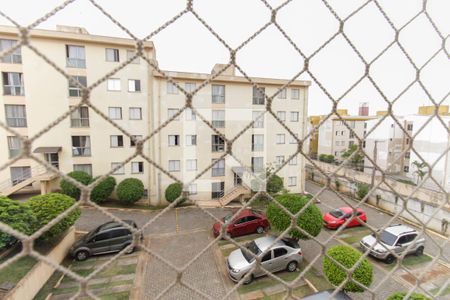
pixel 107 238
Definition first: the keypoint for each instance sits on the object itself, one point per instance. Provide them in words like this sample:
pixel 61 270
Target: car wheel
pixel 82 255
pixel 129 250
pixel 260 229
pixel 390 259
pixel 419 251
pixel 249 279
pixel 292 266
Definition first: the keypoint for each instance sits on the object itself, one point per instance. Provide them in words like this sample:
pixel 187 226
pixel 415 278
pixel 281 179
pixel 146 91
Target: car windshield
pixel 387 238
pixel 337 213
pixel 253 248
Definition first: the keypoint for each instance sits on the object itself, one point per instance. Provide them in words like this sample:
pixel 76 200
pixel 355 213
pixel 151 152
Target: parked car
pixel 325 295
pixel 109 237
pixel 396 239
pixel 247 222
pixel 337 217
pixel 285 254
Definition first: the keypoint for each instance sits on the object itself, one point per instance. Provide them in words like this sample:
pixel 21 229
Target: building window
pixel 351 135
pixel 217 189
pixel 191 140
pixel 174 140
pixel 74 88
pixel 75 56
pixel 293 161
pixel 120 170
pixel 190 115
pixel 191 165
pixel 410 127
pixel 258 118
pixel 282 94
pixel 218 118
pixel 135 140
pixel 134 85
pixel 190 87
pixel 15 57
pixel 218 169
pixel 15 115
pixel 218 93
pixel 218 144
pixel 295 94
pixel 80 117
pixel 351 143
pixel 292 181
pixel 14 146
pixel 257 142
pixel 19 174
pixel 171 112
pixel 174 165
pixel 87 168
pixel 294 116
pixel 113 84
pixel 279 160
pixel 137 167
pixel 116 141
pixel 13 84
pixel 112 54
pixel 171 88
pixel 407 141
pixel 337 133
pixel 258 95
pixel 406 169
pixel 407 154
pixel 135 113
pixel 281 115
pixel 115 113
pixel 293 139
pixel 280 139
pixel 192 189
pixel 81 145
pixel 131 54
pixel 257 164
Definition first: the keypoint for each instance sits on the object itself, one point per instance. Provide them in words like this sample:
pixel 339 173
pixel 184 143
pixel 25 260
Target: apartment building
pixel 139 100
pixel 430 140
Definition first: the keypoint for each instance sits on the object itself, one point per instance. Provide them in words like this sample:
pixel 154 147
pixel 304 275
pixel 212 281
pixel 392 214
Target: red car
pixel 247 222
pixel 337 217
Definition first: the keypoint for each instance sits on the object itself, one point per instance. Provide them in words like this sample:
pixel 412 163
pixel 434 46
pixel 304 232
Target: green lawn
pixel 117 204
pixel 108 272
pixel 354 235
pixel 445 292
pixel 299 292
pixel 17 270
pixel 409 261
pixel 266 281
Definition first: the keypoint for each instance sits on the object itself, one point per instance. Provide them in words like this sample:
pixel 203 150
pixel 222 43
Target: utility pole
pixel 375 156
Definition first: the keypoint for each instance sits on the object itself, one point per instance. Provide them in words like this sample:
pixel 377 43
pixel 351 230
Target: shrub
pixel 338 185
pixel 347 256
pixel 362 190
pixel 173 191
pixel 328 158
pixel 274 184
pixel 71 190
pixel 103 190
pixel 18 216
pixel 310 220
pixel 130 190
pixel 47 207
pixel 401 296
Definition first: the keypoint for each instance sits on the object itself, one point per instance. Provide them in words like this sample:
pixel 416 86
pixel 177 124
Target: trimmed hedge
pixel 173 191
pixel 274 184
pixel 310 220
pixel 103 190
pixel 18 216
pixel 347 256
pixel 362 191
pixel 130 190
pixel 47 207
pixel 71 190
pixel 401 296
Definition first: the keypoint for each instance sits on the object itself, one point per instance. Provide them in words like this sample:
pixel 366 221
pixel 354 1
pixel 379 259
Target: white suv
pixel 394 239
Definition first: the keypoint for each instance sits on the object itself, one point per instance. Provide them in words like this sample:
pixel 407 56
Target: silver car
pixel 395 239
pixel 283 255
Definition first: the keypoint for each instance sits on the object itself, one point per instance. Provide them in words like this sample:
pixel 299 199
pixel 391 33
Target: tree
pixel 173 191
pixel 274 184
pixel 328 158
pixel 71 190
pixel 347 256
pixel 401 296
pixel 419 166
pixel 16 215
pixel 47 207
pixel 310 220
pixel 103 190
pixel 357 158
pixel 362 190
pixel 130 190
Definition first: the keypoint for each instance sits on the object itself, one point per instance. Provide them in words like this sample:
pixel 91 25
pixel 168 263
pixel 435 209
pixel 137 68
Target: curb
pixel 311 286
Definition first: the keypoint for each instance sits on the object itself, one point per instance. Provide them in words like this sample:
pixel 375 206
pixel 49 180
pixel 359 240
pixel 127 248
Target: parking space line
pixel 177 227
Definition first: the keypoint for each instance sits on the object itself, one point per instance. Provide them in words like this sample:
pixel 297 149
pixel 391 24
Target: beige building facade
pixel 139 100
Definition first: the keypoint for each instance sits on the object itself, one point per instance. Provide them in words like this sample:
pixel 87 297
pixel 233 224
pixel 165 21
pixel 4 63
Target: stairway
pixel 40 174
pixel 235 192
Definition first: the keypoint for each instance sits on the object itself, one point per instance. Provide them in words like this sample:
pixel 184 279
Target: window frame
pixel 130 109
pixel 140 167
pixel 119 139
pixel 120 171
pixel 115 55
pixel 174 161
pixel 115 107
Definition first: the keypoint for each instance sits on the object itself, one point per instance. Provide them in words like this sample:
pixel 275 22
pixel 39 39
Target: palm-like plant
pixel 419 170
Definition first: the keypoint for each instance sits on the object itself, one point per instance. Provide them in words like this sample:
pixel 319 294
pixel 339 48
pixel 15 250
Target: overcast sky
pixel 187 46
